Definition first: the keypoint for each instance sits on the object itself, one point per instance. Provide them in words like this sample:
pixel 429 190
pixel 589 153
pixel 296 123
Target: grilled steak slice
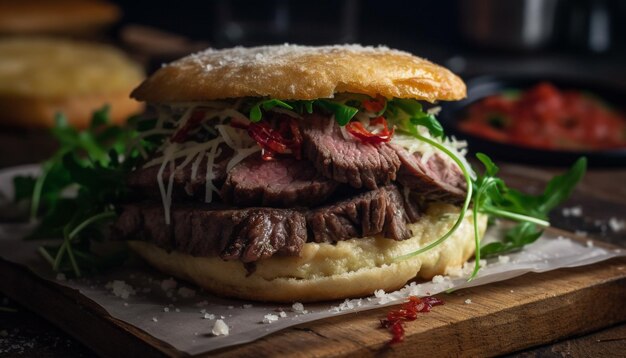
pixel 251 234
pixel 379 211
pixel 347 160
pixel 435 180
pixel 144 180
pixel 233 234
pixel 284 182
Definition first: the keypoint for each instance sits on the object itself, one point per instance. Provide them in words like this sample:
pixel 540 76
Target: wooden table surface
pixel 601 195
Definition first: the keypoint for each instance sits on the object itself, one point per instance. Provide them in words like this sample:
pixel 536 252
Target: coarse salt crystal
pixel 154 319
pixel 166 309
pixel 438 279
pixel 589 243
pixel 575 211
pixel 297 307
pixel 616 225
pixel 209 316
pixel 220 328
pixel 379 293
pixel 269 318
pixel 120 289
pixel 468 301
pixel 282 314
pixel 503 259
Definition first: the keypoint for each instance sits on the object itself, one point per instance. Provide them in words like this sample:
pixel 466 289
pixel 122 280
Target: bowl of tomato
pixel 549 121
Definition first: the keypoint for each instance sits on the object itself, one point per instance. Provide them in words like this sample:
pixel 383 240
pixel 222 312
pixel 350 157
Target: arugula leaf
pixel 343 113
pixel 431 123
pixel 515 238
pixel 89 161
pixel 417 117
pixel 255 111
pixel 495 199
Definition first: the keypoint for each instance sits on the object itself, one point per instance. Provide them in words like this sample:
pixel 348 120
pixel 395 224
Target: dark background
pixel 586 36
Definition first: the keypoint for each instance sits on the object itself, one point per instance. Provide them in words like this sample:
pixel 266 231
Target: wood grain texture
pixel 503 317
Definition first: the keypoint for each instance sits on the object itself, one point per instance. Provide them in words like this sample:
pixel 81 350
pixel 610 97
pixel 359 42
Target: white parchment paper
pixel 183 316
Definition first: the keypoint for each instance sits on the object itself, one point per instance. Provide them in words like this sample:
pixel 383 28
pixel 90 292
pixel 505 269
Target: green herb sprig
pixel 94 163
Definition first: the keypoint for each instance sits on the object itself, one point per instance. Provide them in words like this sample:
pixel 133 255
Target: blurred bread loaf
pixel 70 17
pixel 42 76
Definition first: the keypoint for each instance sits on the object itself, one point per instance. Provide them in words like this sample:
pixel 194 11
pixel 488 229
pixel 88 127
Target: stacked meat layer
pixel 341 189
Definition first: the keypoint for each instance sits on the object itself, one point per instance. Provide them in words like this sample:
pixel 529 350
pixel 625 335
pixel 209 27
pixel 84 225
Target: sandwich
pixel 41 76
pixel 294 173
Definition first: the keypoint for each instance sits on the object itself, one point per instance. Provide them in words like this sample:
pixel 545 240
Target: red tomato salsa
pixel 547 118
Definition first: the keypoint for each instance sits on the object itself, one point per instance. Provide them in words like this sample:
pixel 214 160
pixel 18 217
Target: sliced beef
pixel 144 180
pixel 233 234
pixel 436 179
pixel 347 160
pixel 379 211
pixel 283 182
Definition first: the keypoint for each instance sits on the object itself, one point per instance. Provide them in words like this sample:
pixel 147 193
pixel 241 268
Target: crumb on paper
pixel 154 319
pixel 616 225
pixel 185 292
pixel 220 328
pixel 589 243
pixel 61 277
pixel 297 307
pixel 468 301
pixel 574 211
pixel 120 289
pixel 512 291
pixel 438 279
pixel 269 318
pixel 282 314
pixel 379 293
pixel 504 259
pixel 166 309
pixel 209 316
pixel 168 284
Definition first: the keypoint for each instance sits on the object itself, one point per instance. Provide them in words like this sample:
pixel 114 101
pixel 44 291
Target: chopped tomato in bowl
pixel 542 120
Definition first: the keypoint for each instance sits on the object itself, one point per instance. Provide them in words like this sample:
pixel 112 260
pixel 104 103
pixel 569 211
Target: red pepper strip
pixel 374 105
pixel 275 141
pixel 181 134
pixel 407 312
pixel 356 129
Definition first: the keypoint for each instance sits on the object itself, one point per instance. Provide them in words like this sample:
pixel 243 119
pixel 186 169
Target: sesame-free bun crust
pixel 42 76
pixel 351 268
pixel 300 73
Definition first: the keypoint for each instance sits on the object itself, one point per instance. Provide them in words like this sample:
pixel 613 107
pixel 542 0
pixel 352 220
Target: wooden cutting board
pixel 502 317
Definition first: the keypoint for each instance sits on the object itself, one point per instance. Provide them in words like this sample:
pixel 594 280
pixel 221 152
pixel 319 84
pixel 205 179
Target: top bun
pixel 295 72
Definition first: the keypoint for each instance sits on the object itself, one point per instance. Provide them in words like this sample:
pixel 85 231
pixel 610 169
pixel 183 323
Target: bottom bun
pixel 351 268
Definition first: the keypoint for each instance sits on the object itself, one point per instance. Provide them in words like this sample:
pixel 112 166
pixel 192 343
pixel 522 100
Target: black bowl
pixel 481 87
